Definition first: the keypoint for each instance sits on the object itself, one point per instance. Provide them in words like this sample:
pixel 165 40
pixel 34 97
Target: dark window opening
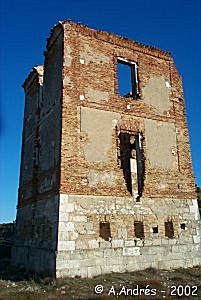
pixel 140 163
pixel 130 155
pixel 155 229
pixel 169 230
pixel 139 229
pixel 183 226
pixel 105 232
pixel 127 79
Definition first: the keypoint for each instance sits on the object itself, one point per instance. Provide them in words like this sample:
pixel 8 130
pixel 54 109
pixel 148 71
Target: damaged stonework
pixel 91 56
pixel 106 182
pixel 156 93
pixel 97 124
pixel 97 96
pixel 68 56
pixel 96 177
pixel 161 139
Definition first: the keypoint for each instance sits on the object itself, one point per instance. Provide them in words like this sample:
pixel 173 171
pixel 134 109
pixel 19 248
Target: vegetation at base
pixel 18 284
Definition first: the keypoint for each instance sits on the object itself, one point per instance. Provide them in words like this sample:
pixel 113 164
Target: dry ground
pixel 17 284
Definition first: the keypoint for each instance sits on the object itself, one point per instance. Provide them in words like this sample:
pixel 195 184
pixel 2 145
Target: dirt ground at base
pixel 149 284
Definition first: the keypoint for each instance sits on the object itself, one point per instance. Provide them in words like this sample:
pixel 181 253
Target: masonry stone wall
pixel 106 181
pixel 82 252
pixel 36 236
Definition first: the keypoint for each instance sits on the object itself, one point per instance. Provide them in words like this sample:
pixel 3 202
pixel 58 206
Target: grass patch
pixel 17 283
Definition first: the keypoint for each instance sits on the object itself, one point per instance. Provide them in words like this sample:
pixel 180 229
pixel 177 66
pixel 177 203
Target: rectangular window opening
pixel 169 229
pixel 105 232
pixel 131 159
pixel 127 79
pixel 139 229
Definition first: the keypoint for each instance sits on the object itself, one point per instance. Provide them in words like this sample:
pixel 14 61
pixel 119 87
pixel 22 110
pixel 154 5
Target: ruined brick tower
pixel 106 180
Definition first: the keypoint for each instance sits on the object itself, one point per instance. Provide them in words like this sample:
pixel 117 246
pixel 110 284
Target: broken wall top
pixel 107 37
pixel 36 74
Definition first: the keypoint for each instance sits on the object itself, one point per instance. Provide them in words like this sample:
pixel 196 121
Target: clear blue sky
pixel 173 25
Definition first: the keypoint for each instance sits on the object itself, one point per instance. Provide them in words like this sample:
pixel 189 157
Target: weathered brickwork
pixel 106 181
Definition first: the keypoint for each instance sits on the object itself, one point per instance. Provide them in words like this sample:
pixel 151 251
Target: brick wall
pixel 90 72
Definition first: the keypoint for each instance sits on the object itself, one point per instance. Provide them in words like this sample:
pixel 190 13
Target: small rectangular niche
pixel 127 79
pixel 105 232
pixel 169 229
pixel 139 229
pixel 183 226
pixel 155 229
